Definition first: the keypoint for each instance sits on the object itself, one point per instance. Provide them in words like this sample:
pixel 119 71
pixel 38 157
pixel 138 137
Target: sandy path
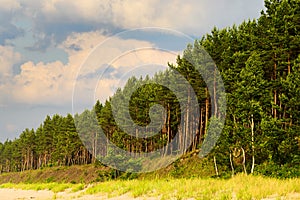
pixel 15 194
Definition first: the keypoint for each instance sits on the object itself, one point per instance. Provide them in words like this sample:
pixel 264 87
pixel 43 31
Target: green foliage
pixel 283 172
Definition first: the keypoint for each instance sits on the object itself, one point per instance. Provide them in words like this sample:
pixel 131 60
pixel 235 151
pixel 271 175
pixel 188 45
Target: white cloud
pixel 191 16
pixel 41 83
pixel 126 14
pixel 52 83
pixel 10 5
pixel 85 10
pixel 169 14
pixel 112 60
pixel 7 59
pixel 51 21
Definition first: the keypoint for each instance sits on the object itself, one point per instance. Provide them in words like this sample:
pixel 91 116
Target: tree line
pixel 259 62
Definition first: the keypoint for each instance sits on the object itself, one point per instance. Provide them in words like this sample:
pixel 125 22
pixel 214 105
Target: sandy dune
pixel 15 194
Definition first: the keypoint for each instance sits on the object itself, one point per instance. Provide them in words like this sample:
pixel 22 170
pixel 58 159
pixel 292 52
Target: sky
pixel 59 56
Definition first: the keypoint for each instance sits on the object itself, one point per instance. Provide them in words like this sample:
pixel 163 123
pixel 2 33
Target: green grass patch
pixel 238 187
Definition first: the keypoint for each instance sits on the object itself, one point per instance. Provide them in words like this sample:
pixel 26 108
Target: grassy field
pixel 239 187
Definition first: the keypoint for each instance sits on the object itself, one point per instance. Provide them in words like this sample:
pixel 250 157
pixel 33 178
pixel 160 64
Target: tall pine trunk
pixel 252 144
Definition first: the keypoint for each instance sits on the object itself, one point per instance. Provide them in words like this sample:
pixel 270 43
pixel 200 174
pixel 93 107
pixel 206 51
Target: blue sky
pixel 45 45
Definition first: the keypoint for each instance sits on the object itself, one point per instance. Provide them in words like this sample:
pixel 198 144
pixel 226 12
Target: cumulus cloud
pixel 111 63
pixel 10 5
pixel 89 54
pixel 187 16
pixel 52 83
pixel 41 83
pixel 58 18
pixel 7 59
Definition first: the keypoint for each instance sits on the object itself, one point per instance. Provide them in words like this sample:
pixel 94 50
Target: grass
pixel 238 187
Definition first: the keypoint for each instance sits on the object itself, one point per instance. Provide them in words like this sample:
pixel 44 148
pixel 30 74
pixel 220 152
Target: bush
pixel 104 176
pixel 276 171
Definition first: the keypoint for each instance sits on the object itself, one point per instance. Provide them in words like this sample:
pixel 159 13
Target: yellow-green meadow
pixel 238 187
